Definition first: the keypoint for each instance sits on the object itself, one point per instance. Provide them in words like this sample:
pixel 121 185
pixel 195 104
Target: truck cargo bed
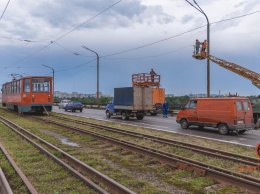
pixel 133 98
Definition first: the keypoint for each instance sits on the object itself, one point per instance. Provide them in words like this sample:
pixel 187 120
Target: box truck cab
pixel 227 114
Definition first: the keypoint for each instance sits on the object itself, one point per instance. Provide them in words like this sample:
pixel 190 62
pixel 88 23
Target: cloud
pixel 185 19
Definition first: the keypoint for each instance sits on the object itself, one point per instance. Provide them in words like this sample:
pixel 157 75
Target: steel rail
pixel 95 176
pixel 222 175
pixel 25 180
pixel 208 151
pixel 4 185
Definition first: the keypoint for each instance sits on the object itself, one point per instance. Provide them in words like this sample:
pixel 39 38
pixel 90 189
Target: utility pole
pixel 97 72
pixel 208 46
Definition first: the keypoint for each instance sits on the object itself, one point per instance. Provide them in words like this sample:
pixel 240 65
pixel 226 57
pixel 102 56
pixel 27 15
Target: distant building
pixel 65 95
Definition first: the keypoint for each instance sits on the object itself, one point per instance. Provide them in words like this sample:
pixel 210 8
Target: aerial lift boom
pixel 246 73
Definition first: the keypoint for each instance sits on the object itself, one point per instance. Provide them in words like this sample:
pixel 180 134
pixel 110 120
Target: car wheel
pixel 184 124
pixel 108 115
pixel 223 129
pixel 80 110
pixel 65 110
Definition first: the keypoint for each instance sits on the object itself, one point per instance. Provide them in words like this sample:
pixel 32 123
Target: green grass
pixel 139 173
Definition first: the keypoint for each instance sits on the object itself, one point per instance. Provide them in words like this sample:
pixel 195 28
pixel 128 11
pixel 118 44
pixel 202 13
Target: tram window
pixel 8 89
pixel 19 86
pixel 27 84
pixel 41 85
pixel 14 87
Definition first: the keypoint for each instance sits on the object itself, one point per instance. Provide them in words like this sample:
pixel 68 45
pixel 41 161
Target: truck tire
pixel 184 124
pixel 139 117
pixel 108 114
pixel 124 116
pixel 241 132
pixel 223 129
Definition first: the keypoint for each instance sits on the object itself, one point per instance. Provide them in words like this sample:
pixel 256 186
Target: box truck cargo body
pixel 131 102
pixel 227 114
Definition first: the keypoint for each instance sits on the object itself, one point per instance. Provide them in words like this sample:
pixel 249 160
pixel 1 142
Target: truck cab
pixel 110 109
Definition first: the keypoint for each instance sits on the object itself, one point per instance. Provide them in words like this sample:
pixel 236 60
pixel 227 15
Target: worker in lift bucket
pixel 197 46
pixel 152 73
pixel 204 45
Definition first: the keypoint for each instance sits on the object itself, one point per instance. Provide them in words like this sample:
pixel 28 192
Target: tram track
pixel 5 185
pixel 220 174
pixel 204 150
pixel 91 177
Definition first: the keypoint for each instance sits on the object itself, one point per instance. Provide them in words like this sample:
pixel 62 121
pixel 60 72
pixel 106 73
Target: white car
pixel 63 103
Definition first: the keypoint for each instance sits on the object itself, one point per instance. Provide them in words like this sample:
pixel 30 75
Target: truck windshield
pixel 191 105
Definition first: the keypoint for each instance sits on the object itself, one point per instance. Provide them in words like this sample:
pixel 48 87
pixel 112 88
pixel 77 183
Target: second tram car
pixel 28 94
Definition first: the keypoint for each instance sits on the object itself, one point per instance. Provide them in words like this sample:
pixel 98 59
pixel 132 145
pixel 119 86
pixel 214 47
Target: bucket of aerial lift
pixel 202 55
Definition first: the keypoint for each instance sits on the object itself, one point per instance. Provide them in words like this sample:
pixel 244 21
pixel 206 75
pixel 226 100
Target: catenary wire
pixel 146 44
pixel 65 34
pixel 4 10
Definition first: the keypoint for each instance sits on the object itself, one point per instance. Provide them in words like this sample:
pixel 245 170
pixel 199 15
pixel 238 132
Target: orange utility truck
pixel 227 114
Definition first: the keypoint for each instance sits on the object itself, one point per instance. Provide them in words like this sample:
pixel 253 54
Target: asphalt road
pixel 249 138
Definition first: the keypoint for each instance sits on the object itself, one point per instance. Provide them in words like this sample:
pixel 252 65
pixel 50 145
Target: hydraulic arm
pixel 246 73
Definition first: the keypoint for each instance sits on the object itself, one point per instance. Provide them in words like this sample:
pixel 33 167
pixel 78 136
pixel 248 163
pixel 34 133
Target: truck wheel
pixel 139 117
pixel 223 129
pixel 124 116
pixel 108 114
pixel 184 124
pixel 241 132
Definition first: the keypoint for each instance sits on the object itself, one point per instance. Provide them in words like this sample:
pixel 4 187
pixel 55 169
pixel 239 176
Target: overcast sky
pixel 130 36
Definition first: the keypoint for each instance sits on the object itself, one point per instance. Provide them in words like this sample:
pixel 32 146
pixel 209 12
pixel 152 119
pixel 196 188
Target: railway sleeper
pixel 190 168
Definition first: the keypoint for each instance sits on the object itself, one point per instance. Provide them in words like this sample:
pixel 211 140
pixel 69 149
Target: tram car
pixel 29 94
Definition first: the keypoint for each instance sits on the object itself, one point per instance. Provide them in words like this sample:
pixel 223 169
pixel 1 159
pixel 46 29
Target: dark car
pixel 73 106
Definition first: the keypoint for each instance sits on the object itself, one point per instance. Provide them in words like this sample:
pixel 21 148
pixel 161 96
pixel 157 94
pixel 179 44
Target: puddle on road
pixel 67 142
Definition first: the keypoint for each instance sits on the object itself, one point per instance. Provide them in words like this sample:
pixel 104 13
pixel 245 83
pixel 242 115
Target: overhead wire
pixel 129 50
pixel 65 33
pixel 5 10
pixel 148 56
pixel 149 44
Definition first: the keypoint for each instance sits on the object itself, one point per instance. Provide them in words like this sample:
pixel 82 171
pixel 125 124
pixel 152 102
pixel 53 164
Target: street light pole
pixel 52 81
pixel 97 72
pixel 208 46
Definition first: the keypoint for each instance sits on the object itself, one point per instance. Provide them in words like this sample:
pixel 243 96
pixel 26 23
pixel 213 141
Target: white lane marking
pixel 156 126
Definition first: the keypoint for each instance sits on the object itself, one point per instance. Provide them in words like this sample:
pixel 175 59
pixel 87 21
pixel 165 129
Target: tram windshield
pixel 41 85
